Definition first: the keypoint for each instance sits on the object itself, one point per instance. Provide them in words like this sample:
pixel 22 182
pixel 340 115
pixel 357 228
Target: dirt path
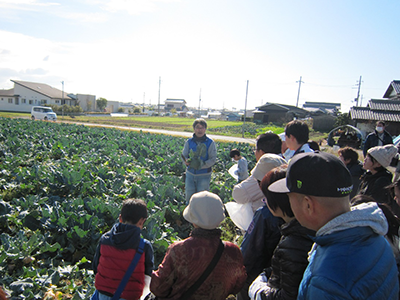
pixel 220 138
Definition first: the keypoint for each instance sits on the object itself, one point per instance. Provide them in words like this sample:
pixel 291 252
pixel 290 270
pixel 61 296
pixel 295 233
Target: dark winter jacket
pixel 113 256
pixel 372 140
pixel 258 245
pixel 289 262
pixel 260 241
pixel 356 170
pixel 374 185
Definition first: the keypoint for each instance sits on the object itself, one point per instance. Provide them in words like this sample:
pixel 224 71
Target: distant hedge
pixel 58 109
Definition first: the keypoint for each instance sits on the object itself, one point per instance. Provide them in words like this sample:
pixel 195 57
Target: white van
pixel 43 113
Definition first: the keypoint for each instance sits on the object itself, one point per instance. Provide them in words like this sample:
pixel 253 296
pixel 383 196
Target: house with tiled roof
pixel 393 90
pixel 323 114
pixel 323 107
pixel 178 104
pixel 26 94
pixel 282 113
pixel 386 109
pixel 278 113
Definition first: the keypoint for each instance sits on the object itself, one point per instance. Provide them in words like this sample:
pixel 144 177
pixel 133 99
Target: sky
pixel 213 53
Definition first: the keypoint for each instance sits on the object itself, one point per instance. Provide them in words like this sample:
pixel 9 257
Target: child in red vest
pixel 116 250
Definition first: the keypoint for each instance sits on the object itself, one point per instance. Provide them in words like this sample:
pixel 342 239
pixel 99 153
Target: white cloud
pixel 124 69
pixel 13 11
pixel 65 12
pixel 24 4
pixel 133 7
pixel 85 12
pixel 85 17
pixel 16 54
pixel 37 71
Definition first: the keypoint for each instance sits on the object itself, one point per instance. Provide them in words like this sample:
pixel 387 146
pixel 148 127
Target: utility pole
pixel 159 87
pixel 245 106
pixel 358 92
pixel 199 103
pixel 298 93
pixel 144 98
pixel 62 99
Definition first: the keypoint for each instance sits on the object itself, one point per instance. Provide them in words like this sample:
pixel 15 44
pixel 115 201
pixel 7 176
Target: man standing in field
pixel 380 137
pixel 199 155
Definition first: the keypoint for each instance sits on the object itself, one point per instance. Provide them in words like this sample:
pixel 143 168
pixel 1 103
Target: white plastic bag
pixel 241 214
pixel 146 289
pixel 233 171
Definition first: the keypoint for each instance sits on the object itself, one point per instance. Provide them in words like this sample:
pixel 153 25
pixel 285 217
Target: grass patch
pixel 5 114
pixel 251 130
pixel 227 128
pixel 318 136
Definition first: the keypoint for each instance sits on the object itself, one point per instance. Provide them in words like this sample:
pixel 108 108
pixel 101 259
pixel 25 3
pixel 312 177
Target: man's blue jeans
pixel 195 184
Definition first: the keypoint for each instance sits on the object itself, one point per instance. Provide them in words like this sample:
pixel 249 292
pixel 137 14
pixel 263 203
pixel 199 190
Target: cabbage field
pixel 61 188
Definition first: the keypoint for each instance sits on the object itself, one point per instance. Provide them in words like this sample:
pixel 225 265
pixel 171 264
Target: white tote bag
pixel 240 214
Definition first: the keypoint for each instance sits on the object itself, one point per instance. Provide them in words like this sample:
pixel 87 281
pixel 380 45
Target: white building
pixel 113 106
pixel 216 115
pixel 87 102
pixel 26 94
pixel 178 104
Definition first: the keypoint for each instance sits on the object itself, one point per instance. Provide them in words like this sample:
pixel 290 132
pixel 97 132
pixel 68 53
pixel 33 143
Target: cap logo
pixel 299 184
pixel 345 190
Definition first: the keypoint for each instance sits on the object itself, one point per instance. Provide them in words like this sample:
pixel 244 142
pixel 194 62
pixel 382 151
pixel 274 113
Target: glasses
pixel 254 149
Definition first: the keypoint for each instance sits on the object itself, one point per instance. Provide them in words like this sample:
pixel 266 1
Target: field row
pixel 61 187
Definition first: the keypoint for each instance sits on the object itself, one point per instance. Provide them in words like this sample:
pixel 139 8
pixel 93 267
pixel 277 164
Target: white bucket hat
pixel 205 209
pixel 265 164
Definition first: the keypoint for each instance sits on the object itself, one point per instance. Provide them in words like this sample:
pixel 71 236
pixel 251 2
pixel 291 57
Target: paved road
pixel 215 137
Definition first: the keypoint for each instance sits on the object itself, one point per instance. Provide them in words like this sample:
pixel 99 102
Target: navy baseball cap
pixel 315 174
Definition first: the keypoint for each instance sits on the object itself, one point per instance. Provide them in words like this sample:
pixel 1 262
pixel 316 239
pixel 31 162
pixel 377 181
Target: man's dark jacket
pixel 372 140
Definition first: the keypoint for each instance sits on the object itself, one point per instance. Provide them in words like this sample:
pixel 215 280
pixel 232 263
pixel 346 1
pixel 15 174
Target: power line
pixel 329 86
pixel 199 102
pixel 245 108
pixel 159 87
